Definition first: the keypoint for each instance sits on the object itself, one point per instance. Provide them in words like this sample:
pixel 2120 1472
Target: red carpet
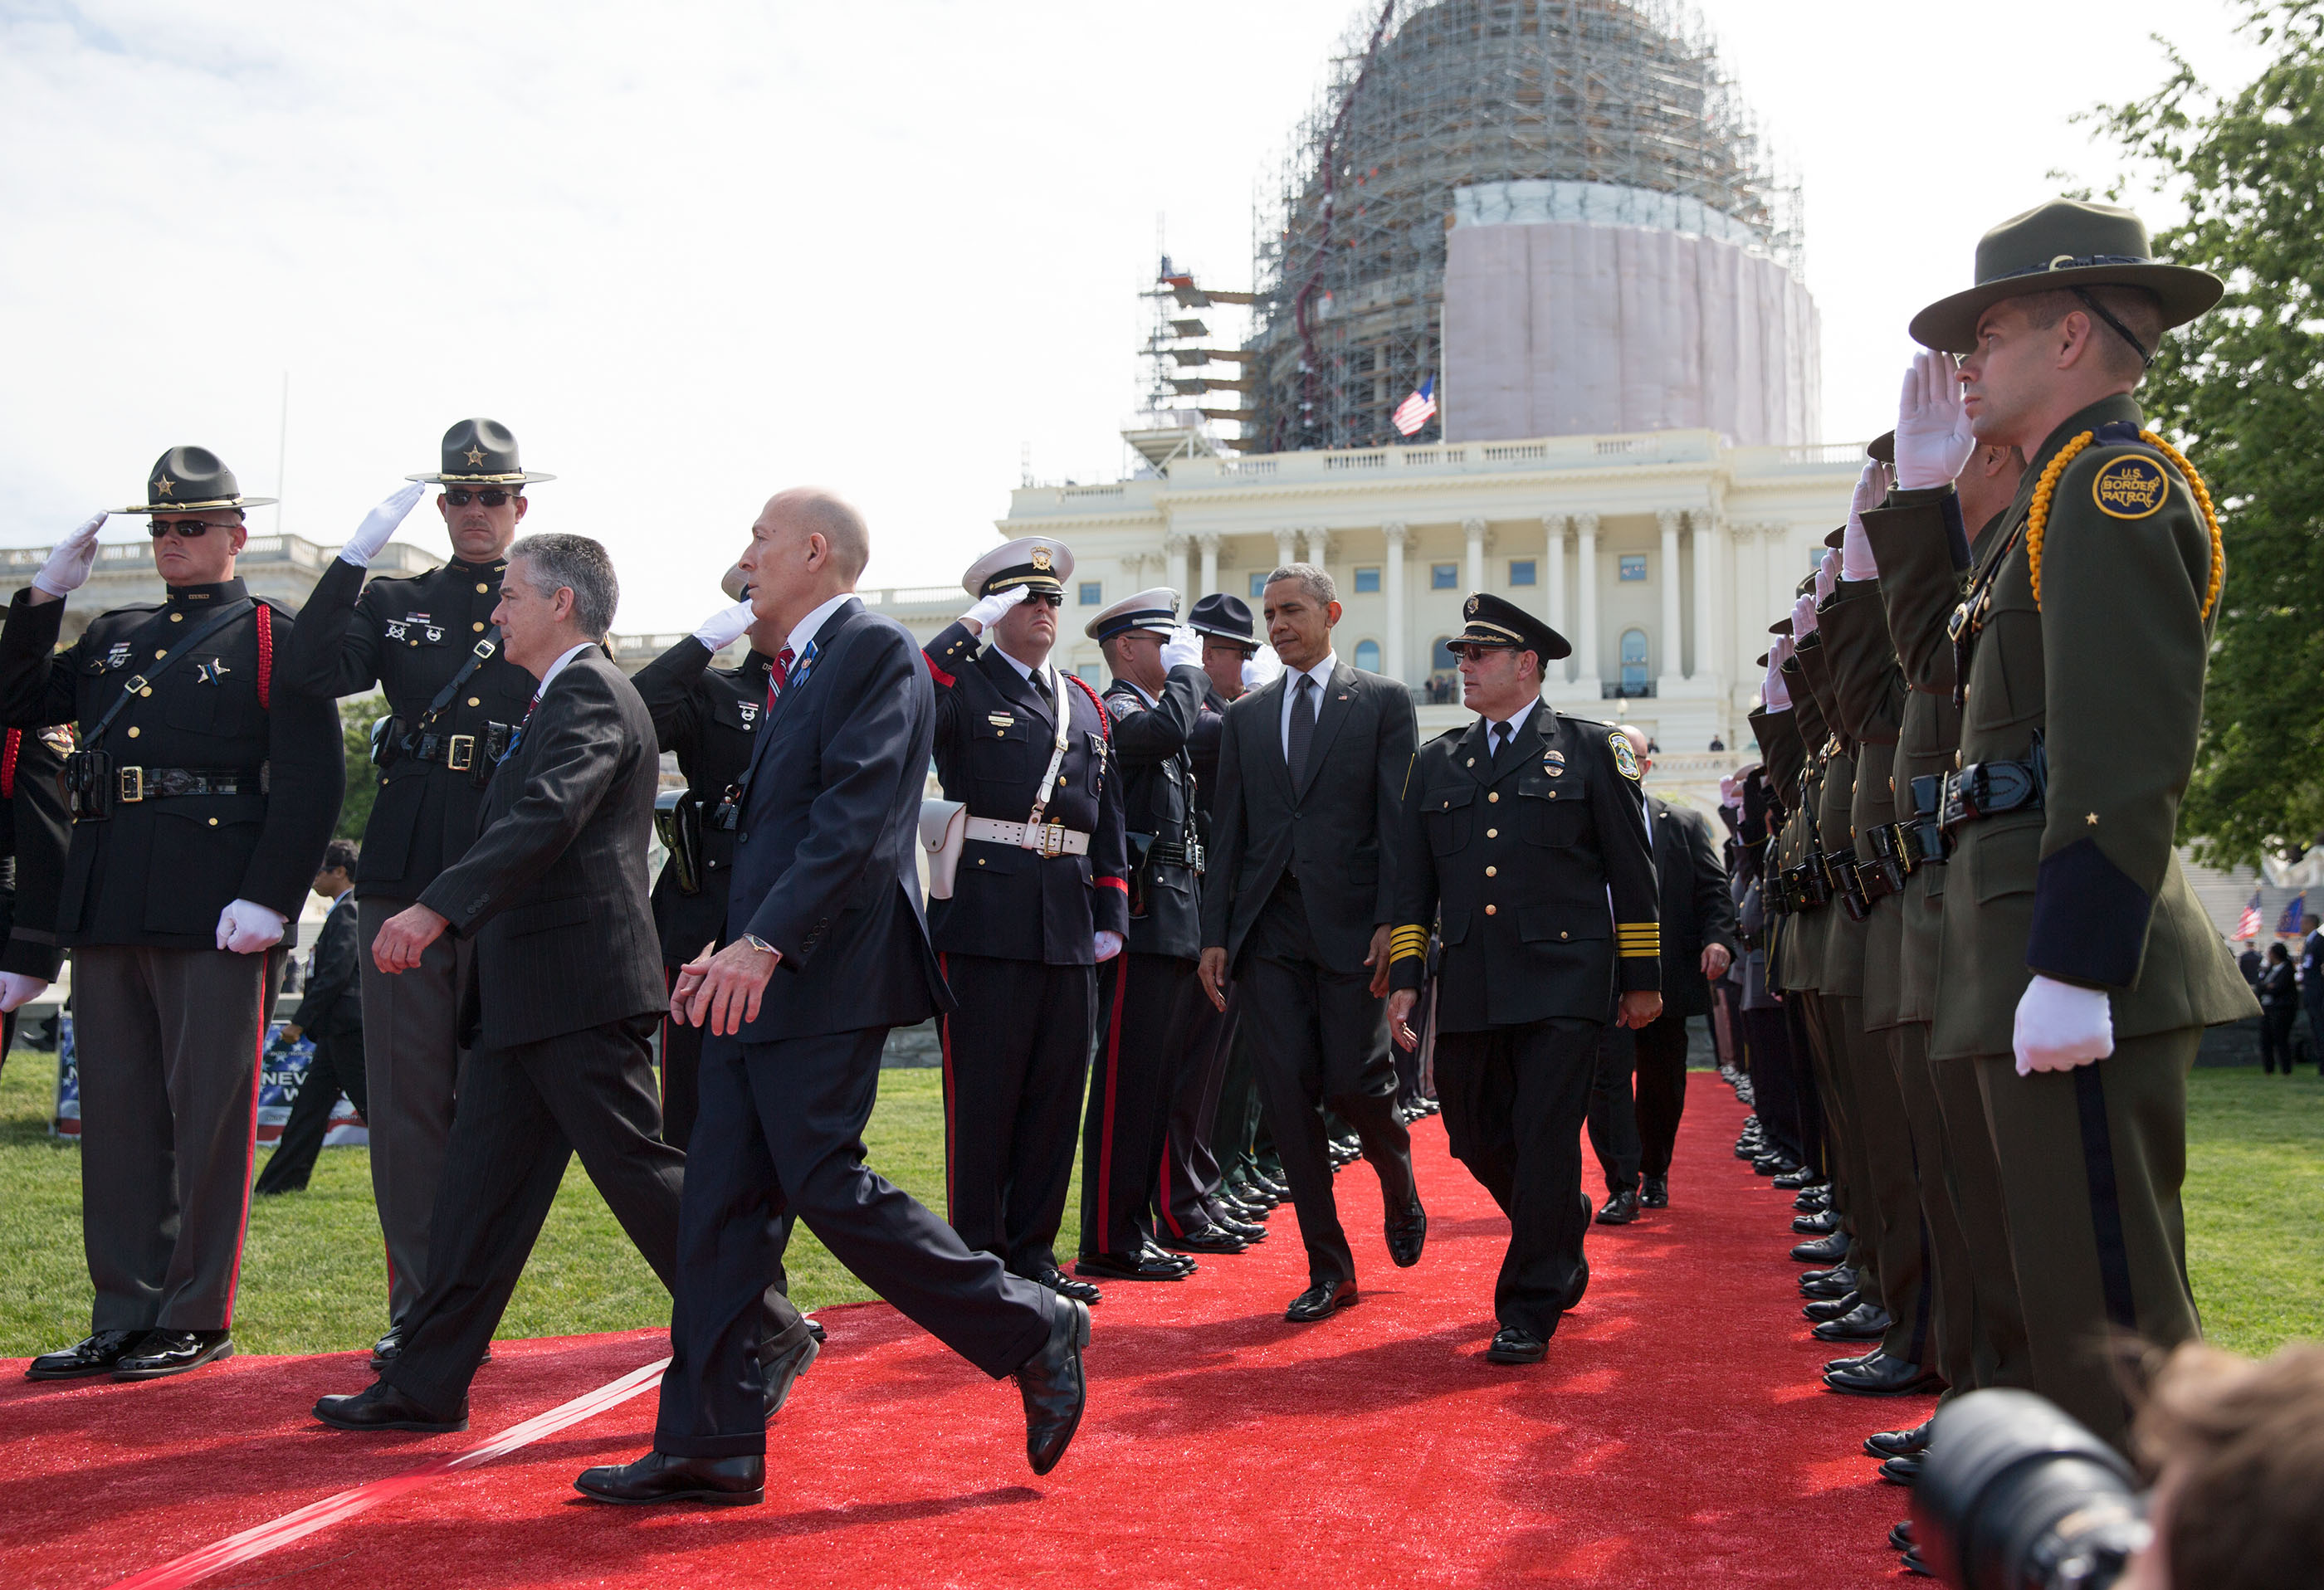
pixel 1677 1436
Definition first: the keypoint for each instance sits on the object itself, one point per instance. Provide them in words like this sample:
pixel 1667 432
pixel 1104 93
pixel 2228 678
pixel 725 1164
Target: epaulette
pixel 1585 722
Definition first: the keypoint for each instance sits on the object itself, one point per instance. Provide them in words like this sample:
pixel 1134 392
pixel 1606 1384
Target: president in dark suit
pixel 1296 908
pixel 827 950
pixel 566 989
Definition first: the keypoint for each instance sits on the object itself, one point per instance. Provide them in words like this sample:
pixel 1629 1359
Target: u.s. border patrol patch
pixel 1626 761
pixel 2131 487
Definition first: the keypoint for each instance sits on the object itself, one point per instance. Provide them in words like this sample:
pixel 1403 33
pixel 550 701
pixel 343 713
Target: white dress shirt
pixel 1321 674
pixel 1516 723
pixel 558 667
pixel 809 627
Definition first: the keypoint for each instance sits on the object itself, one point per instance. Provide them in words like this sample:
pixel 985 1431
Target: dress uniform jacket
pixel 1513 858
pixel 35 832
pixel 995 733
pixel 1843 945
pixel 709 717
pixel 1157 801
pixel 157 872
pixel 1869 693
pixel 410 637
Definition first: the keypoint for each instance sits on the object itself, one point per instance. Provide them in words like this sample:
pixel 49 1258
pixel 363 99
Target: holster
pixel 678 822
pixel 386 742
pixel 1928 818
pixel 87 778
pixel 1839 872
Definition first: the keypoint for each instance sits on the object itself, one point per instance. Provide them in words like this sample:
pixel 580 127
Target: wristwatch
pixel 756 942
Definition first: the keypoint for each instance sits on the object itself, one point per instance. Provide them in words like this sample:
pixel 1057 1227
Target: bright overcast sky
pixel 692 253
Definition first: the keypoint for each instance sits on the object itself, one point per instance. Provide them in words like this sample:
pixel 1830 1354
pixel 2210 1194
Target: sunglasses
pixel 1471 652
pixel 190 530
pixel 492 499
pixel 1045 598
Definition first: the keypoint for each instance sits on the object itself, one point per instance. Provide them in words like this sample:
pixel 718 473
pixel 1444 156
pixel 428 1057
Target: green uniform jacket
pixel 2109 668
pixel 1869 693
pixel 1843 943
pixel 1779 748
pixel 1811 932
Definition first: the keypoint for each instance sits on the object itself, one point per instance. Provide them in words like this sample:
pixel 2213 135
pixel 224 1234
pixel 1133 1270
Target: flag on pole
pixel 1417 409
pixel 2248 926
pixel 2293 910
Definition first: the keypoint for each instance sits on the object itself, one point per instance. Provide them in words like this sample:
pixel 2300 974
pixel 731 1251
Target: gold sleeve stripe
pixel 1639 927
pixel 1642 951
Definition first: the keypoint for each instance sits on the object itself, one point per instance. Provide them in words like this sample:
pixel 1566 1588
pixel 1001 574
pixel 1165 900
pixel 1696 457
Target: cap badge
pixel 476 456
pixel 165 486
pixel 1041 558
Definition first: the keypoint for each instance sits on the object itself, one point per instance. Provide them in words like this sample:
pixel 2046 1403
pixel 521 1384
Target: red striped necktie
pixel 777 675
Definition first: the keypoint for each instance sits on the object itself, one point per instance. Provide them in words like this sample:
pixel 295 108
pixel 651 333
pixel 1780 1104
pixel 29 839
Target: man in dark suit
pixel 2311 982
pixel 826 951
pixel 330 1014
pixel 1298 901
pixel 1633 1136
pixel 567 989
pixel 34 830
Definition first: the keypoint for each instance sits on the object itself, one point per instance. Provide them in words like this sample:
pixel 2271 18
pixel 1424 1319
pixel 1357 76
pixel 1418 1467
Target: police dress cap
pixel 1882 449
pixel 2064 243
pixel 480 453
pixel 193 480
pixel 1042 563
pixel 1493 620
pixel 1156 610
pixel 1224 616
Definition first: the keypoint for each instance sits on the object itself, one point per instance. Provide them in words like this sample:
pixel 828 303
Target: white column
pixel 1284 555
pixel 1474 529
pixel 1673 639
pixel 1210 543
pixel 1175 546
pixel 1553 576
pixel 1318 544
pixel 1393 665
pixel 1710 663
pixel 1585 585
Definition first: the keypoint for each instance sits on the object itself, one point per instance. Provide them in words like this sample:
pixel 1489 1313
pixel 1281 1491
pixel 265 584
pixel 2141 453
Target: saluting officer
pixel 1524 842
pixel 202 797
pixel 429 643
pixel 1148 994
pixel 1041 897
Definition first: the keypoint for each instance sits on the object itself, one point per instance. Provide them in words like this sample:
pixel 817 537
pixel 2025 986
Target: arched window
pixel 1634 661
pixel 1441 659
pixel 1368 655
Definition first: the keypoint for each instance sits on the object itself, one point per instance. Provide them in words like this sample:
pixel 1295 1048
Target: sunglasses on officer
pixel 190 530
pixel 1045 598
pixel 460 497
pixel 1470 651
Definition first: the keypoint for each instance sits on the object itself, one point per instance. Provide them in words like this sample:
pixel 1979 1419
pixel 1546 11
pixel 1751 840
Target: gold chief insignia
pixel 1041 558
pixel 1626 761
pixel 2130 488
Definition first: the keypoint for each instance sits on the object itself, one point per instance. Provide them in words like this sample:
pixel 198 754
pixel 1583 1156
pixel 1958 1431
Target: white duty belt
pixel 1049 838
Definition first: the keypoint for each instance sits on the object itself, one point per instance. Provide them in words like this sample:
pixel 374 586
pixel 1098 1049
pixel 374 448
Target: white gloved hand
pixel 1108 945
pixel 68 565
pixel 1933 440
pixel 1774 695
pixel 1857 563
pixel 17 989
pixel 1727 795
pixel 378 525
pixel 988 610
pixel 1827 577
pixel 1261 668
pixel 721 629
pixel 1184 649
pixel 2060 1026
pixel 1804 619
pixel 245 927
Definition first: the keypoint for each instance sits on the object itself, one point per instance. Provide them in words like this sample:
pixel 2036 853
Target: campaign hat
pixel 1226 617
pixel 2053 247
pixel 480 453
pixel 192 479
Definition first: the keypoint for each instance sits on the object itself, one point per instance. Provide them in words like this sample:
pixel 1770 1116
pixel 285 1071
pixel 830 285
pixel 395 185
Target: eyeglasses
pixel 1045 598
pixel 1472 653
pixel 191 530
pixel 491 499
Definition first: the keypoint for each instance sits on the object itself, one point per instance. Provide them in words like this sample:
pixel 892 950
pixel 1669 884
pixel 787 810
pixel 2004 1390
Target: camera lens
pixel 2013 1493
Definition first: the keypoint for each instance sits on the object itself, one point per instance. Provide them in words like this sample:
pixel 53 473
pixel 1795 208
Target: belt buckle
pixel 1053 838
pixel 460 752
pixel 132 785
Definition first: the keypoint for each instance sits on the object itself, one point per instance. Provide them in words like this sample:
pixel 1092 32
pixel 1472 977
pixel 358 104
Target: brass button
pixel 1492 872
pixel 147 691
pixel 482 589
pixel 159 655
pixel 1493 794
pixel 213 823
pixel 980 861
pixel 177 618
pixel 132 731
pixel 478 628
pixel 1492 910
pixel 1492 833
pixel 1471 762
pixel 1553 794
pixel 1562 933
pixel 475 700
pixel 1000 734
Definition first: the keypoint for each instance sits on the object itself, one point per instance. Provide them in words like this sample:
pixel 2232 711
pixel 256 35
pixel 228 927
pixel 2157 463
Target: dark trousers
pixel 1662 1091
pixel 1142 1015
pixel 1190 1169
pixel 524 1112
pixel 1514 1102
pixel 781 1134
pixel 681 1060
pixel 1767 1045
pixel 336 1068
pixel 2275 1037
pixel 170 1044
pixel 1635 1135
pixel 1320 1038
pixel 1887 1210
pixel 1235 1127
pixel 1016 1055
pixel 1949 1287
pixel 1613 1120
pixel 2315 1004
pixel 412 1063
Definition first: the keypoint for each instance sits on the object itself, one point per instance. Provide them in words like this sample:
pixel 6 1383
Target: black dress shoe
pixel 1902 1471
pixel 1823 1250
pixel 1840 1275
pixel 1912 1564
pixel 1655 1193
pixel 1794 1180
pixel 1822 1223
pixel 1065 1286
pixel 1209 1239
pixel 1858 1361
pixel 380 1406
pixel 1154 1254
pixel 1513 1346
pixel 1774 1164
pixel 1749 1147
pixel 1843 1285
pixel 173 1352
pixel 1054 1387
pixel 1249 1231
pixel 1897 1443
pixel 1812 1202
pixel 1883 1377
pixel 815 1328
pixel 1866 1322
pixel 1127 1267
pixel 1900 1537
pixel 780 1372
pixel 725 1482
pixel 384 1350
pixel 92 1354
pixel 1407 1233
pixel 1824 1309
pixel 1321 1301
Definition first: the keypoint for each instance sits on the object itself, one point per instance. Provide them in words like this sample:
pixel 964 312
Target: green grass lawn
pixel 312 1280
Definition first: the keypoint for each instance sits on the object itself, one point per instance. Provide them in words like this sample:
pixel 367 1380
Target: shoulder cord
pixel 13 749
pixel 2037 519
pixel 265 616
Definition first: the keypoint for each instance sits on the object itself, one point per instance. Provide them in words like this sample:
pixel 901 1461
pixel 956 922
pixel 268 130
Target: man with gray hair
pixel 568 990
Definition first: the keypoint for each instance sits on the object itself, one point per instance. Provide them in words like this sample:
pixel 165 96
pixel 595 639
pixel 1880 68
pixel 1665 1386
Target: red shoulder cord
pixel 1104 718
pixel 8 755
pixel 265 665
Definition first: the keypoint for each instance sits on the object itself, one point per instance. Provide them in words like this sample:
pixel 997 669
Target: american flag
pixel 1415 410
pixel 2248 926
pixel 2294 909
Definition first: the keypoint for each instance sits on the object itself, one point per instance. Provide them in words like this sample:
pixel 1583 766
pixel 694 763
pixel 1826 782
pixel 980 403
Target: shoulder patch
pixel 1626 761
pixel 2133 486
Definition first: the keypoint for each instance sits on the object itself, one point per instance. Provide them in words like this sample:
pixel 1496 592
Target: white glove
pixel 246 927
pixel 1727 795
pixel 1184 649
pixel 723 628
pixel 988 609
pixel 1109 944
pixel 2060 1026
pixel 1804 619
pixel 1774 695
pixel 1261 668
pixel 1827 577
pixel 17 989
pixel 378 525
pixel 1933 440
pixel 68 565
pixel 1857 563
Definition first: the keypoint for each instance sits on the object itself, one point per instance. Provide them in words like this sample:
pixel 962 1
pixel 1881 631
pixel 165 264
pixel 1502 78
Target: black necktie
pixel 1501 736
pixel 1303 726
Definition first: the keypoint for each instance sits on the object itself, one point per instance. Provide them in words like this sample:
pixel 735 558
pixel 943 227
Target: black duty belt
pixel 1847 883
pixel 1897 853
pixel 133 784
pixel 458 752
pixel 1190 856
pixel 1989 788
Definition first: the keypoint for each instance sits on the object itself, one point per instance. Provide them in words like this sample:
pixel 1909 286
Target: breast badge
pixel 2131 487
